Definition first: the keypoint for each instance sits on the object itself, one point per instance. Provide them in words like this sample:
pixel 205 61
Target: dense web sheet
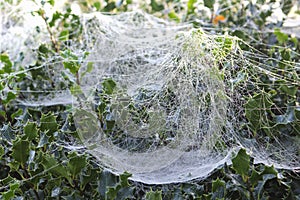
pixel 169 99
pixel 167 102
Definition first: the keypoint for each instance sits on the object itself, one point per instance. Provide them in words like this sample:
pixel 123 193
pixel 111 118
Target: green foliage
pixel 20 151
pixel 240 163
pixel 35 163
pixel 7 64
pixel 108 86
pixel 281 37
pixel 48 123
pixel 154 195
pixel 255 109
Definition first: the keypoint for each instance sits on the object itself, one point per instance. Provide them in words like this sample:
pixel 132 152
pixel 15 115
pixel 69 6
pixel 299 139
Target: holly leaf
pixel 124 179
pixel 48 123
pixel 108 86
pixel 52 165
pixel 7 64
pixel 218 189
pixel 20 151
pixel 154 195
pixel 31 131
pixel 10 96
pixel 281 37
pixel 76 163
pixel 209 3
pixel 8 195
pixel 241 163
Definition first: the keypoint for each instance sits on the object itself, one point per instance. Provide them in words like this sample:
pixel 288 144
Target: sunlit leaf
pixel 108 86
pixel 281 37
pixel 7 64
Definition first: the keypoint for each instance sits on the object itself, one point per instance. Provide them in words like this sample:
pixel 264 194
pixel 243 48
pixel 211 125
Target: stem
pixel 77 78
pixel 54 42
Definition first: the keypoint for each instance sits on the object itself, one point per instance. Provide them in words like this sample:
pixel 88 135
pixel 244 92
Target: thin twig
pixel 54 42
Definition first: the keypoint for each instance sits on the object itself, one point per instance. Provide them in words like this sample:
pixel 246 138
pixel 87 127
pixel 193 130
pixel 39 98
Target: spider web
pixel 168 103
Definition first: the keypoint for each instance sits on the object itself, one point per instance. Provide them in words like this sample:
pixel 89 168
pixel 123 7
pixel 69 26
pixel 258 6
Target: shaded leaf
pixel 48 123
pixel 155 6
pixel 76 163
pixel 241 163
pixel 11 192
pixel 52 165
pixel 10 96
pixel 20 151
pixel 124 179
pixel 218 189
pixel 31 131
pixel 209 3
pixel 106 179
pixel 154 195
pixel 256 108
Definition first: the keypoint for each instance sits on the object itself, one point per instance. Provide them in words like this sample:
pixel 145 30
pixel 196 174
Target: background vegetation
pixel 35 162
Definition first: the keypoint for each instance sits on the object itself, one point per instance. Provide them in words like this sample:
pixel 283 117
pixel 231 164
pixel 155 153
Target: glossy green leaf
pixel 124 179
pixel 106 179
pixel 154 195
pixel 89 69
pixel 218 189
pixel 52 165
pixel 281 37
pixel 51 2
pixel 289 89
pixel 16 114
pixel 109 85
pixel 97 5
pixel 20 151
pixel 156 7
pixel 172 15
pixel 71 62
pixel 76 163
pixel 1 151
pixel 241 163
pixel 55 17
pixel 255 177
pixel 209 3
pixel 11 193
pixel 72 66
pixel 31 131
pixel 7 64
pixel 64 35
pixel 3 115
pixel 76 90
pixel 48 123
pixel 191 7
pixel 10 96
pixel 256 108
